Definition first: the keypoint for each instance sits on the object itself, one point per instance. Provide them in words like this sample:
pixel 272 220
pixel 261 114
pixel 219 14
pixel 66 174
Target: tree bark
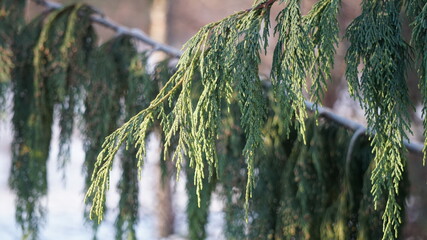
pixel 165 214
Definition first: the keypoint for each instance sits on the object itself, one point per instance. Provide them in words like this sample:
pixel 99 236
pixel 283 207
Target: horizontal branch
pixel 354 126
pixel 141 36
pixel 133 32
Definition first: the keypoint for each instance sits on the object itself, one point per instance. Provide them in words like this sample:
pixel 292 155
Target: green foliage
pixel 138 89
pixel 418 12
pixel 40 79
pixel 250 98
pixel 267 168
pixel 376 40
pixel 318 190
pixel 305 178
pixel 292 61
pixel 132 68
pixel 102 106
pixel 57 65
pixel 11 22
pixel 28 172
pixel 198 207
pixel 322 23
pixel 226 53
pixel 196 125
pixel 117 72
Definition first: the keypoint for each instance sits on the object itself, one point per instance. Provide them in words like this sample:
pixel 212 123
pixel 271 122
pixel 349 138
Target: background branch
pixel 133 32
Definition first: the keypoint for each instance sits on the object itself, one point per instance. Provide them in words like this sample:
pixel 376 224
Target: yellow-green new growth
pixel 377 41
pixel 292 62
pixel 195 122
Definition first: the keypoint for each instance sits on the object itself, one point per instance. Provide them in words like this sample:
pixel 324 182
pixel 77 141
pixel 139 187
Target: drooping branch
pixel 141 36
pixel 226 53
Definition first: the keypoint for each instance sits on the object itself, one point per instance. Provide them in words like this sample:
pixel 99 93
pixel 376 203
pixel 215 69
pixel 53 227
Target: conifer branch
pixel 133 32
pixel 289 22
pixel 418 15
pixel 376 41
pixel 322 24
pixel 219 70
pixel 226 55
pixel 412 147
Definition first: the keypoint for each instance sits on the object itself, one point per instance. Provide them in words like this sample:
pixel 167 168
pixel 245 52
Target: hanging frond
pixel 194 121
pixel 11 22
pixel 311 182
pixel 78 43
pixel 231 172
pixel 219 119
pixel 419 42
pixel 304 191
pixel 28 170
pixel 376 40
pixel 102 107
pixel 292 61
pixel 251 100
pixel 40 80
pixel 137 90
pixel 198 209
pixel 322 24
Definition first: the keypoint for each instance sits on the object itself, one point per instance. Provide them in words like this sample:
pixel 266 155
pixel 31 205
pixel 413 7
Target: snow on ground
pixel 65 198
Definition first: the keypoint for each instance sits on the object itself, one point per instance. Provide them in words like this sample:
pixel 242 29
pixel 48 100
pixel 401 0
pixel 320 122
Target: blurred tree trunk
pixel 165 214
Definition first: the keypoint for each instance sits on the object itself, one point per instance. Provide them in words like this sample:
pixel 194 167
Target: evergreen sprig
pixel 303 191
pixel 27 177
pixel 38 86
pixel 102 109
pixel 251 100
pixel 137 91
pixel 376 40
pixel 11 23
pixel 418 12
pixel 322 24
pixel 117 71
pixel 292 61
pixel 198 207
pixel 216 119
pixel 195 122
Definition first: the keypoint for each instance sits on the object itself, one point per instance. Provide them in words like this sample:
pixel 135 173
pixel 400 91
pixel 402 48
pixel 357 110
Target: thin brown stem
pixel 262 5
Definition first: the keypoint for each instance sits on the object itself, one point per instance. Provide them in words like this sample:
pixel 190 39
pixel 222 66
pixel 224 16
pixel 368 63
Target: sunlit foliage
pixel 282 173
